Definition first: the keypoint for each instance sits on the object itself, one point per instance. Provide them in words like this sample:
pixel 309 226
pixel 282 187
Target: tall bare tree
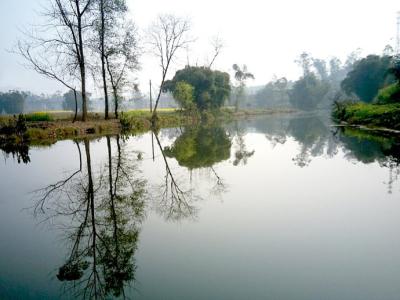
pixel 116 43
pixel 102 34
pixel 168 34
pixel 59 46
pixel 106 17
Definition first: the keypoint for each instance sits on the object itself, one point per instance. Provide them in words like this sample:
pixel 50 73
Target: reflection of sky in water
pixel 327 230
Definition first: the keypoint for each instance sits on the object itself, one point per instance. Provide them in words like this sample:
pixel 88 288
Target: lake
pixel 279 207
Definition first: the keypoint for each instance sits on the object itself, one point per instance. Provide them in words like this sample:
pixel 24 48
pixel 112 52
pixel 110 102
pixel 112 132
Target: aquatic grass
pixel 38 117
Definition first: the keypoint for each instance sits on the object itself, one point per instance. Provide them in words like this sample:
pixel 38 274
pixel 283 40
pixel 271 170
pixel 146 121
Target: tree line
pixel 373 78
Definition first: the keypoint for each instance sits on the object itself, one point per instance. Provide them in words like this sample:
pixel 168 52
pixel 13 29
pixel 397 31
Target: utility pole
pixel 151 100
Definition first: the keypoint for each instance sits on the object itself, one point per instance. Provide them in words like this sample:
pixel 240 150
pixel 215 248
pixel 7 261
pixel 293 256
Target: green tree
pixel 210 88
pixel 183 94
pixel 308 92
pixel 367 77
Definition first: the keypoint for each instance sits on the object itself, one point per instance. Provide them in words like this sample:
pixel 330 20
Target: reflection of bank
pixel 311 133
pixel 100 213
pixel 18 149
pixel 368 147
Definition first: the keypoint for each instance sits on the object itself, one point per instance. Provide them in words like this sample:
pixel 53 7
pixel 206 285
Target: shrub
pixel 389 94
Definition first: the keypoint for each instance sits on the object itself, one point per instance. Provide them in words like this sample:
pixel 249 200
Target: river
pixel 279 207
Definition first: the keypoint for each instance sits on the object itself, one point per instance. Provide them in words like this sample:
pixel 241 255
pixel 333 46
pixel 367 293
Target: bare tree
pixel 109 18
pixel 217 45
pixel 168 34
pixel 62 41
pixel 102 33
pixel 122 59
pixel 43 66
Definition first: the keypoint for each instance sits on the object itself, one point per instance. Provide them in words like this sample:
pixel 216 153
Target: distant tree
pixel 321 68
pixel 351 59
pixel 305 62
pixel 308 92
pixel 367 77
pixel 388 50
pixel 70 103
pixel 167 35
pixel 336 73
pixel 241 76
pixel 274 94
pixel 210 88
pixel 12 102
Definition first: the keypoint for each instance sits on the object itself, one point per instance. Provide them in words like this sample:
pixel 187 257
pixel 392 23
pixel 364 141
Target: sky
pixel 265 35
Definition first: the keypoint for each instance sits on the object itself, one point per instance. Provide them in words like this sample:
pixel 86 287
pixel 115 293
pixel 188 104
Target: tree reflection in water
pixel 101 215
pixel 201 148
pixel 241 153
pixel 317 137
pixel 175 203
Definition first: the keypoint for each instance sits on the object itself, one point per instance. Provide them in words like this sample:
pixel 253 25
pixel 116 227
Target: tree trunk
pixel 115 102
pixel 76 106
pixel 103 67
pixel 84 99
pixel 82 65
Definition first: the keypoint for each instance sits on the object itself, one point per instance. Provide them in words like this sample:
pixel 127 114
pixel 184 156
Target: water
pixel 280 207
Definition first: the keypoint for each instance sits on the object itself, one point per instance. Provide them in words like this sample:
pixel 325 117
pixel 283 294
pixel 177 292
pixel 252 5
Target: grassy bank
pixel 51 126
pixel 370 115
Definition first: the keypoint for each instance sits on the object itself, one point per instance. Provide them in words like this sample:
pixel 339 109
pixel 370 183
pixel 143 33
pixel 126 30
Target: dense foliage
pixel 210 88
pixel 368 76
pixel 389 94
pixel 183 94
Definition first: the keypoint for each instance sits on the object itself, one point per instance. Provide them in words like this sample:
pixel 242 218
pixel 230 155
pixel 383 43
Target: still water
pixel 277 207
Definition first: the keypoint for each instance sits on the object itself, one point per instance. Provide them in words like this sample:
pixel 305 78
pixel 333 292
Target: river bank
pixel 380 117
pixel 48 127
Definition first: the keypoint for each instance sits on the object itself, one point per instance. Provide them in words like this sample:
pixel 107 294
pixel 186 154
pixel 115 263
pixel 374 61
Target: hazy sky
pixel 265 35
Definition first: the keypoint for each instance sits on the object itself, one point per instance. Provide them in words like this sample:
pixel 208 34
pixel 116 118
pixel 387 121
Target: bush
pixel 389 94
pixel 38 116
